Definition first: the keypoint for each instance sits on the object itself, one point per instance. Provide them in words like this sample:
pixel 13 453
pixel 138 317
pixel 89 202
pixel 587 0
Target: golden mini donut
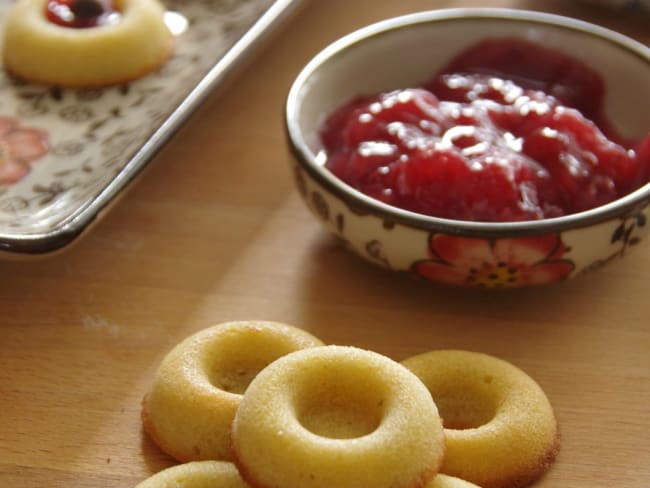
pixel 500 428
pixel 39 50
pixel 199 384
pixel 337 416
pixel 196 474
pixel 445 481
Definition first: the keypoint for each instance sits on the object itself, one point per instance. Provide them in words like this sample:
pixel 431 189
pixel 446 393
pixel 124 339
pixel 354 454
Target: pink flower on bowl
pixel 500 262
pixel 20 147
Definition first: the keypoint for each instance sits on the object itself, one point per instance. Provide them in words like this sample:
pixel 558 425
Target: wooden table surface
pixel 215 231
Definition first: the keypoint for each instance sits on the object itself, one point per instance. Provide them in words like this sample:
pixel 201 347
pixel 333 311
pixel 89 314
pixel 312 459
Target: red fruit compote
pixel 508 131
pixel 81 14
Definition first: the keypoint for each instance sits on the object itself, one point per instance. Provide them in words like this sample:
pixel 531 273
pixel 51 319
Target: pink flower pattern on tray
pixel 499 262
pixel 20 147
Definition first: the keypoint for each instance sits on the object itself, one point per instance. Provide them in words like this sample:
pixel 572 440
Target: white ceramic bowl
pixel 407 51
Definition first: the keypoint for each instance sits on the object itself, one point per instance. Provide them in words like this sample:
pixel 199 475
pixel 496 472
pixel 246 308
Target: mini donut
pixel 199 384
pixel 500 428
pixel 41 51
pixel 337 416
pixel 196 474
pixel 444 481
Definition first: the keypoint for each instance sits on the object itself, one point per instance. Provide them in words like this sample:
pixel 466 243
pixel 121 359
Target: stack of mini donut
pixel 267 405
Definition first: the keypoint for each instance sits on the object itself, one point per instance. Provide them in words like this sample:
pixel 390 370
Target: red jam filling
pixel 81 14
pixel 508 131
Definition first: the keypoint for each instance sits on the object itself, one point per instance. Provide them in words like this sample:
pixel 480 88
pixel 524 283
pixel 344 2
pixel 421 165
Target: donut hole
pixel 340 406
pixel 467 405
pixel 238 357
pixel 235 376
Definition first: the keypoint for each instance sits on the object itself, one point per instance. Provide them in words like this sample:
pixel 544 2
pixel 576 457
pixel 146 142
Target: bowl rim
pixel 620 207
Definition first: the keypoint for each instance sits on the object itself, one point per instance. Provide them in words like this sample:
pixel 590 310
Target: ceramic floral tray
pixel 66 154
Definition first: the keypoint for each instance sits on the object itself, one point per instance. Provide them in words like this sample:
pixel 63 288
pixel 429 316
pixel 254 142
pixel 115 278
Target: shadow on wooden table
pixel 398 314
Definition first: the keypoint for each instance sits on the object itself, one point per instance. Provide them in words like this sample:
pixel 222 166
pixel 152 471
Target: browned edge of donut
pixel 150 430
pixel 537 470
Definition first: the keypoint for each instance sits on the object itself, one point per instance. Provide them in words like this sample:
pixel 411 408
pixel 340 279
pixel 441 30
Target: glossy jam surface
pixel 508 131
pixel 81 14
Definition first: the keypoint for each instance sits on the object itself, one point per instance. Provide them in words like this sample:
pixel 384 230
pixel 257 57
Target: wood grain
pixel 215 231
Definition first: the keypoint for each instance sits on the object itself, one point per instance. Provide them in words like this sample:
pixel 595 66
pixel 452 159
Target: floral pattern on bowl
pixel 20 147
pixel 65 153
pixel 507 261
